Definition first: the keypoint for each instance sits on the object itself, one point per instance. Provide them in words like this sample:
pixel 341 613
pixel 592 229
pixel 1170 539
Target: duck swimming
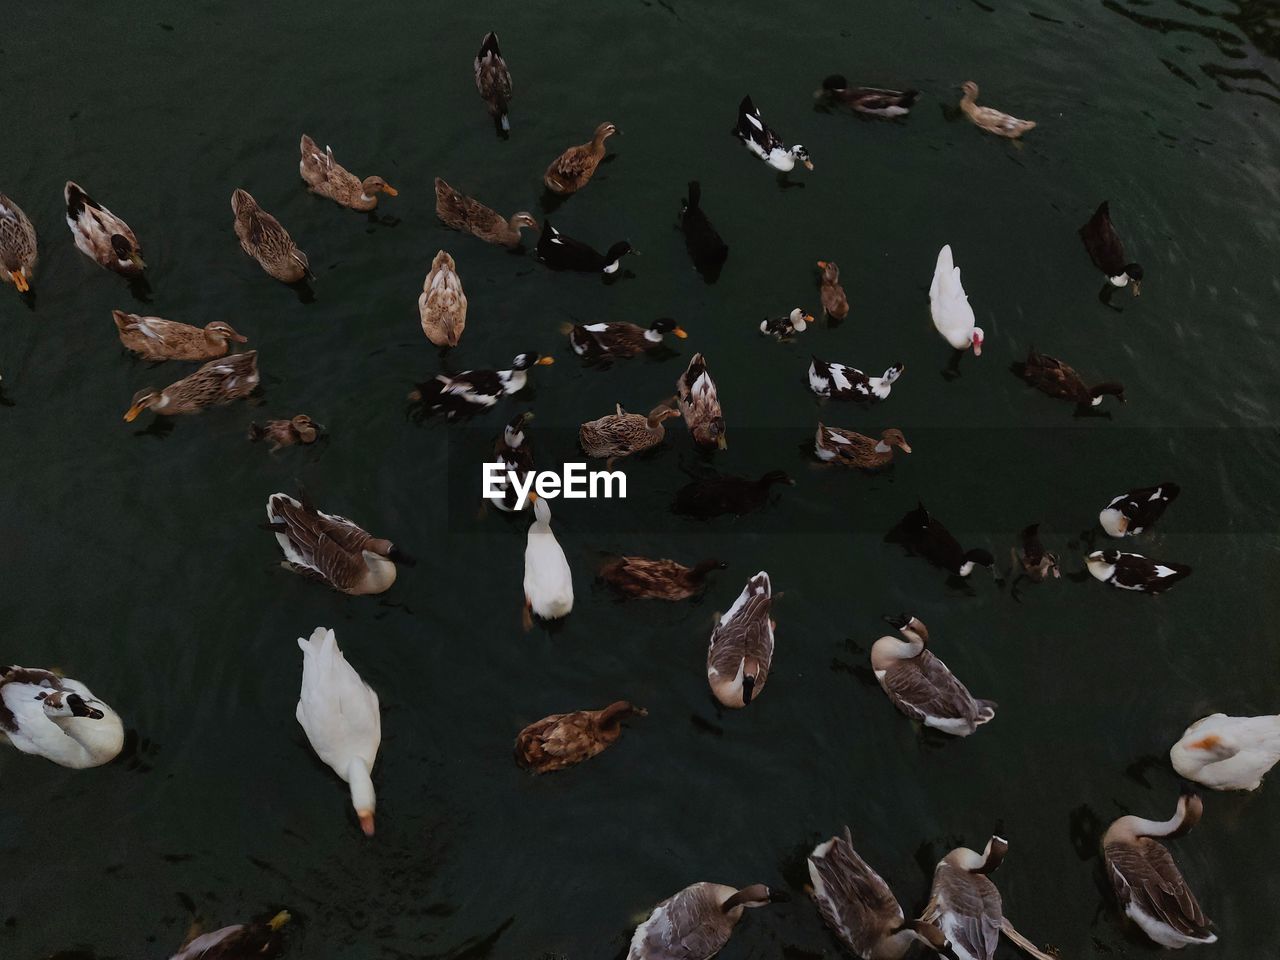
pixel 442 306
pixel 741 648
pixel 697 922
pixel 1034 560
pixel 217 383
pixel 469 215
pixel 640 578
pixel 1132 571
pixel 758 137
pixel 573 169
pixel 561 252
pixel 1228 753
pixel 925 535
pixel 18 250
pixel 992 121
pixel 325 177
pixel 564 739
pixel 100 235
pixel 599 341
pixel 842 382
pixel 255 940
pixel 1106 250
pixel 705 247
pixel 871 101
pixel 300 429
pixel 473 391
pixel 833 445
pixel 716 496
pixel 621 434
pixel 548 581
pixel 699 403
pixel 1051 376
pixel 780 328
pixel 921 686
pixel 263 238
pixel 154 338
pixel 57 718
pixel 512 454
pixel 493 80
pixel 1130 513
pixel 949 306
pixel 834 302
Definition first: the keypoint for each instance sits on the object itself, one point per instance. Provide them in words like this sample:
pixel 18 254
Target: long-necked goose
pixel 1228 753
pixel 706 248
pixel 57 718
pixel 719 495
pixel 780 328
pixel 564 739
pixel 620 434
pixel 562 252
pixel 921 686
pixel 859 907
pixel 100 235
pixel 1148 884
pixel 851 449
pixel 1106 250
pixel 643 578
pixel 493 80
pixel 469 215
pixel 607 340
pixel 548 581
pixel 339 713
pixel 697 922
pixel 18 249
pixel 840 381
pixel 512 454
pixel 573 169
pixel 872 101
pixel 442 305
pixel 758 137
pixel 949 306
pixel 1132 571
pixel 158 339
pixel 989 119
pixel 472 391
pixel 1130 513
pixel 218 382
pixel 265 239
pixel 257 940
pixel 835 304
pixel 1051 376
pixel 699 403
pixel 326 177
pixel 925 535
pixel 741 648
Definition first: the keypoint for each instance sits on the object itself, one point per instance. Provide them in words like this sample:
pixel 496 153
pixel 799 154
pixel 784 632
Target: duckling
pixel 699 404
pixel 921 686
pixel 1228 753
pixel 512 454
pixel 263 238
pixel 758 137
pixel 992 121
pixel 473 391
pixel 562 252
pixel 641 578
pixel 469 215
pixel 156 339
pixel 697 922
pixel 834 302
pixel 548 581
pixel 57 718
pixel 257 940
pixel 493 80
pixel 564 739
pixel 741 648
pixel 285 433
pixel 925 535
pixel 100 235
pixel 573 169
pixel 600 341
pixel 780 328
pixel 217 383
pixel 1132 571
pixel 949 306
pixel 1034 560
pixel 1106 250
pixel 708 251
pixel 442 306
pixel 17 246
pixel 620 434
pixel 834 445
pixel 328 178
pixel 871 101
pixel 1051 376
pixel 715 496
pixel 1130 513
pixel 840 381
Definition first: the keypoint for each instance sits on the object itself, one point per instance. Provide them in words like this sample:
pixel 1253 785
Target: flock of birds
pixel 58 718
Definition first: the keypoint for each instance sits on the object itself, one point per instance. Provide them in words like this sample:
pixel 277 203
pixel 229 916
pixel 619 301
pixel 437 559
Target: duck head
pixel 893 438
pixel 1111 388
pixel 979 557
pixel 143 400
pixel 667 325
pixel 801 154
pixel 525 361
pixel 799 319
pixel 220 332
pixel 756 895
pixel 372 186
pixel 306 428
pixel 126 253
pixel 615 253
pixel 521 220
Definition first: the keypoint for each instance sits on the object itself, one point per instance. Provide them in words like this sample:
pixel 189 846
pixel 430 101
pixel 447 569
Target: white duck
pixel 57 718
pixel 548 582
pixel 1228 753
pixel 952 315
pixel 339 713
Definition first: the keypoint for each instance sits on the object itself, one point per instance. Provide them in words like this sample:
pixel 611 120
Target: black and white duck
pixel 1106 250
pixel 925 535
pixel 1051 376
pixel 781 328
pixel 840 381
pixel 704 244
pixel 562 252
pixel 1130 513
pixel 716 496
pixel 472 391
pixel 758 137
pixel 57 718
pixel 600 341
pixel 1132 571
pixel 872 101
pixel 512 454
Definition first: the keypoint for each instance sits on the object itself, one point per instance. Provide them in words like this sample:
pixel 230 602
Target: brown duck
pixel 573 169
pixel 642 578
pixel 469 215
pixel 263 238
pixel 158 339
pixel 564 739
pixel 328 178
pixel 621 434
pixel 285 433
pixel 442 306
pixel 700 404
pixel 218 382
pixel 858 450
pixel 1050 375
pixel 834 301
pixel 17 245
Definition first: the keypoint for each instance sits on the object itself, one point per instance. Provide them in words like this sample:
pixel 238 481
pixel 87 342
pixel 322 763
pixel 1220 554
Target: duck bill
pixel 905 447
pixel 546 361
pixel 680 333
pixel 808 164
pixel 389 190
pixel 1137 287
pixel 132 414
pixel 20 281
pixel 136 259
pixel 722 442
pixel 366 823
pixel 238 338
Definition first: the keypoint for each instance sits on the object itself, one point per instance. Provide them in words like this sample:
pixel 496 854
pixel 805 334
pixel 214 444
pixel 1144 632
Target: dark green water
pixel 133 561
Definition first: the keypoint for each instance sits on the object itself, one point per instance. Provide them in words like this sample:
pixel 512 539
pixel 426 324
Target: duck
pixel 1131 513
pixel 859 907
pixel 564 739
pixel 1051 376
pixel 100 235
pixel 758 137
pixel 332 549
pixel 781 328
pixel 699 404
pixel 562 252
pixel 217 383
pixel 706 248
pixel 992 121
pixel 573 169
pixel 835 304
pixel 55 717
pixel 741 648
pixel 300 429
pixel 1228 753
pixel 326 177
pixel 872 101
pixel 442 306
pixel 512 454
pixel 493 80
pixel 921 686
pixel 469 215
pixel 697 922
pixel 1132 571
pixel 925 535
pixel 1150 888
pixel 949 306
pixel 621 434
pixel 966 906
pixel 840 381
pixel 472 391
pixel 834 445
pixel 339 713
pixel 154 338
pixel 18 252
pixel 1033 559
pixel 1106 250
pixel 548 581
pixel 600 341
pixel 263 238
pixel 242 941
pixel 642 578
pixel 718 495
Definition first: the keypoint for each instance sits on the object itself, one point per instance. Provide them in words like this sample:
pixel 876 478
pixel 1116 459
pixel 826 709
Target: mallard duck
pixel 158 339
pixel 758 137
pixel 921 686
pixel 1051 376
pixel 699 404
pixel 1228 753
pixel 851 449
pixel 600 341
pixel 1130 513
pixel 57 718
pixel 620 434
pixel 925 535
pixel 263 238
pixel 330 548
pixel 339 713
pixel 463 213
pixel 949 306
pixel 17 245
pixel 562 252
pixel 256 940
pixel 834 302
pixel 1034 560
pixel 1106 250
pixel 472 391
pixel 564 739
pixel 641 578
pixel 328 178
pixel 859 907
pixel 100 235
pixel 285 433
pixel 992 121
pixel 697 922
pixel 1150 888
pixel 442 305
pixel 716 496
pixel 839 381
pixel 218 382
pixel 548 581
pixel 741 648
pixel 708 251
pixel 573 169
pixel 493 80
pixel 1132 571
pixel 780 328
pixel 872 101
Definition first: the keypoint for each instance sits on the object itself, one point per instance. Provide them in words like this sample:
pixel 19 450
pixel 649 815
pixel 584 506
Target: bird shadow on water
pixel 952 370
pixel 140 289
pixel 159 428
pixel 303 291
pixel 381 220
pixel 550 202
pixel 786 183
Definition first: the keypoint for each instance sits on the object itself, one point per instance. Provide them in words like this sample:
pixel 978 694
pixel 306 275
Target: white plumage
pixel 1228 753
pixel 952 315
pixel 57 718
pixel 548 581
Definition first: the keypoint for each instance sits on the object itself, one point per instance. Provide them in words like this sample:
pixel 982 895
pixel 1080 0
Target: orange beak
pixel 822 264
pixel 808 318
pixel 546 361
pixel 389 190
pixel 905 447
pixel 680 333
pixel 20 281
pixel 133 412
pixel 366 822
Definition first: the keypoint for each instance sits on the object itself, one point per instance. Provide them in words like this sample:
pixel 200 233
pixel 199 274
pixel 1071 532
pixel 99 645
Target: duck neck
pixel 382 572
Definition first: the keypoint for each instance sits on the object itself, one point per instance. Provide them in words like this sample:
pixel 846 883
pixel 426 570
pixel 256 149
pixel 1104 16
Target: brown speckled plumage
pixel 564 739
pixel 157 339
pixel 573 169
pixel 263 238
pixel 469 215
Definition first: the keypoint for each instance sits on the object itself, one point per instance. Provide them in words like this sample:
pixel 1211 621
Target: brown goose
pixel 218 382
pixel 921 686
pixel 700 404
pixel 573 169
pixel 263 238
pixel 697 922
pixel 469 215
pixel 328 178
pixel 741 649
pixel 644 579
pixel 285 433
pixel 1051 376
pixel 493 80
pixel 158 339
pixel 621 434
pixel 834 302
pixel 17 245
pixel 563 739
pixel 835 445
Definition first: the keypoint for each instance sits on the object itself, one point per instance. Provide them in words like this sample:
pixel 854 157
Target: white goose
pixel 57 718
pixel 1228 753
pixel 952 315
pixel 339 713
pixel 548 581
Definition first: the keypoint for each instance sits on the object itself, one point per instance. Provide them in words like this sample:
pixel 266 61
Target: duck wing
pixel 752 129
pixel 17 236
pixel 853 899
pixel 1105 248
pixel 336 708
pixel 967 908
pixel 924 688
pixel 1145 876
pixel 329 546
